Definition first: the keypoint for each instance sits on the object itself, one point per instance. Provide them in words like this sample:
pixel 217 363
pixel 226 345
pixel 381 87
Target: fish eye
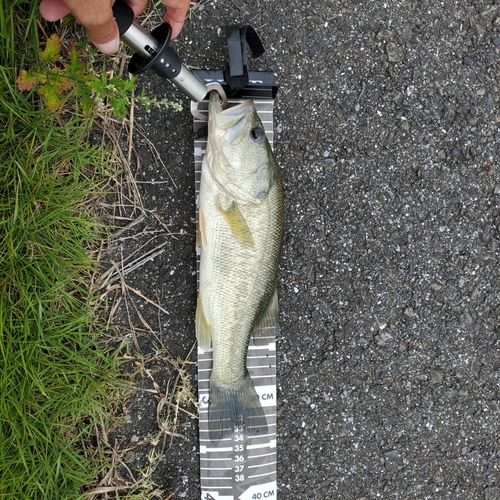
pixel 257 133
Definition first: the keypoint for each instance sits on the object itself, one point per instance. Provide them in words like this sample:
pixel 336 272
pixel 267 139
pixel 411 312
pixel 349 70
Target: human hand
pixel 97 17
pixel 176 14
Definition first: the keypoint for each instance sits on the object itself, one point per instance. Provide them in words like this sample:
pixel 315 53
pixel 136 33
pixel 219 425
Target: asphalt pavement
pixel 387 130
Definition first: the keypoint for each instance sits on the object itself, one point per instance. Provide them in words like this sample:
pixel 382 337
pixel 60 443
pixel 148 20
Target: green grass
pixel 53 374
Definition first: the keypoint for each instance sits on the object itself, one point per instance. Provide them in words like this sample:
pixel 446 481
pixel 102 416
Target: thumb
pixel 176 14
pixel 104 34
pixel 95 15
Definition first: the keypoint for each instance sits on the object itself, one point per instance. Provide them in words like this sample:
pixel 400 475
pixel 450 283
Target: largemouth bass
pixel 240 231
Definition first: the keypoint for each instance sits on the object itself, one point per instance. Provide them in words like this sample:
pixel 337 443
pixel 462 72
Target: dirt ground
pixel 387 130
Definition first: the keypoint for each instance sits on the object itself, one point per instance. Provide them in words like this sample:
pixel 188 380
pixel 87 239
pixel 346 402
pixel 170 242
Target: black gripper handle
pixel 124 16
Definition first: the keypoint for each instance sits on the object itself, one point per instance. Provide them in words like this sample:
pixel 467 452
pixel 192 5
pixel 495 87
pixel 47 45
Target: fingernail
pixel 109 47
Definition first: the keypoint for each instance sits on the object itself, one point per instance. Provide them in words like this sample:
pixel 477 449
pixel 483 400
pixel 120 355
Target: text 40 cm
pixel 259 496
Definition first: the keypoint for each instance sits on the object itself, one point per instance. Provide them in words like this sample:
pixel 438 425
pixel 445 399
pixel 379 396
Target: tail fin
pixel 230 407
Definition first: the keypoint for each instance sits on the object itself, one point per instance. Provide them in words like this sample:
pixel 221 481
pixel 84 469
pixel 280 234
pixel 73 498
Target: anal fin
pixel 265 330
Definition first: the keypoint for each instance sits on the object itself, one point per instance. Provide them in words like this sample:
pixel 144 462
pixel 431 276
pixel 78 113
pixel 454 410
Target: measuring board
pixel 241 466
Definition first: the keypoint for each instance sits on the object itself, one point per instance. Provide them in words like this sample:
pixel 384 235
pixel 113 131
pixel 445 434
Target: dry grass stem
pixel 116 273
pixel 156 155
pixel 149 301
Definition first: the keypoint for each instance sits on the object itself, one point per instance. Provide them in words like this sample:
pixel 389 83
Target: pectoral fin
pixel 202 327
pixel 265 330
pixel 237 224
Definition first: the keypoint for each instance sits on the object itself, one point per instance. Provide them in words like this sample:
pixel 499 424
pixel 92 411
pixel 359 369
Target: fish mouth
pixel 229 125
pixel 233 116
pixel 238 108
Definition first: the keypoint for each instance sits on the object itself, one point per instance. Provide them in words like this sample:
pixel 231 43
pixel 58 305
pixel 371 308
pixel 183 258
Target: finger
pixel 111 46
pixel 53 10
pixel 137 6
pixel 104 35
pixel 176 14
pixel 97 17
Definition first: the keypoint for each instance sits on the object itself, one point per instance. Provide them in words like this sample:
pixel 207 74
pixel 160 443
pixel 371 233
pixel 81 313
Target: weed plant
pixel 54 377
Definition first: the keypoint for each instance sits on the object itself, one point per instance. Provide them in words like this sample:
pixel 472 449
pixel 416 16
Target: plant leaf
pixel 99 86
pixel 52 48
pixel 87 103
pixel 119 105
pixel 74 54
pixel 50 96
pixel 60 82
pixel 64 83
pixel 26 81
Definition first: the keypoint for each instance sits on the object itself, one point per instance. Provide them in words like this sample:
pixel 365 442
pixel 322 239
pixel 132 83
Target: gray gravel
pixel 388 135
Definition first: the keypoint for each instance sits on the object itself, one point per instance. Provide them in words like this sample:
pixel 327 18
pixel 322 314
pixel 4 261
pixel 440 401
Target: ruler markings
pixel 262 475
pixel 213 477
pixel 271 443
pixel 264 455
pixel 220 450
pixel 259 446
pixel 263 465
pixel 215 468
